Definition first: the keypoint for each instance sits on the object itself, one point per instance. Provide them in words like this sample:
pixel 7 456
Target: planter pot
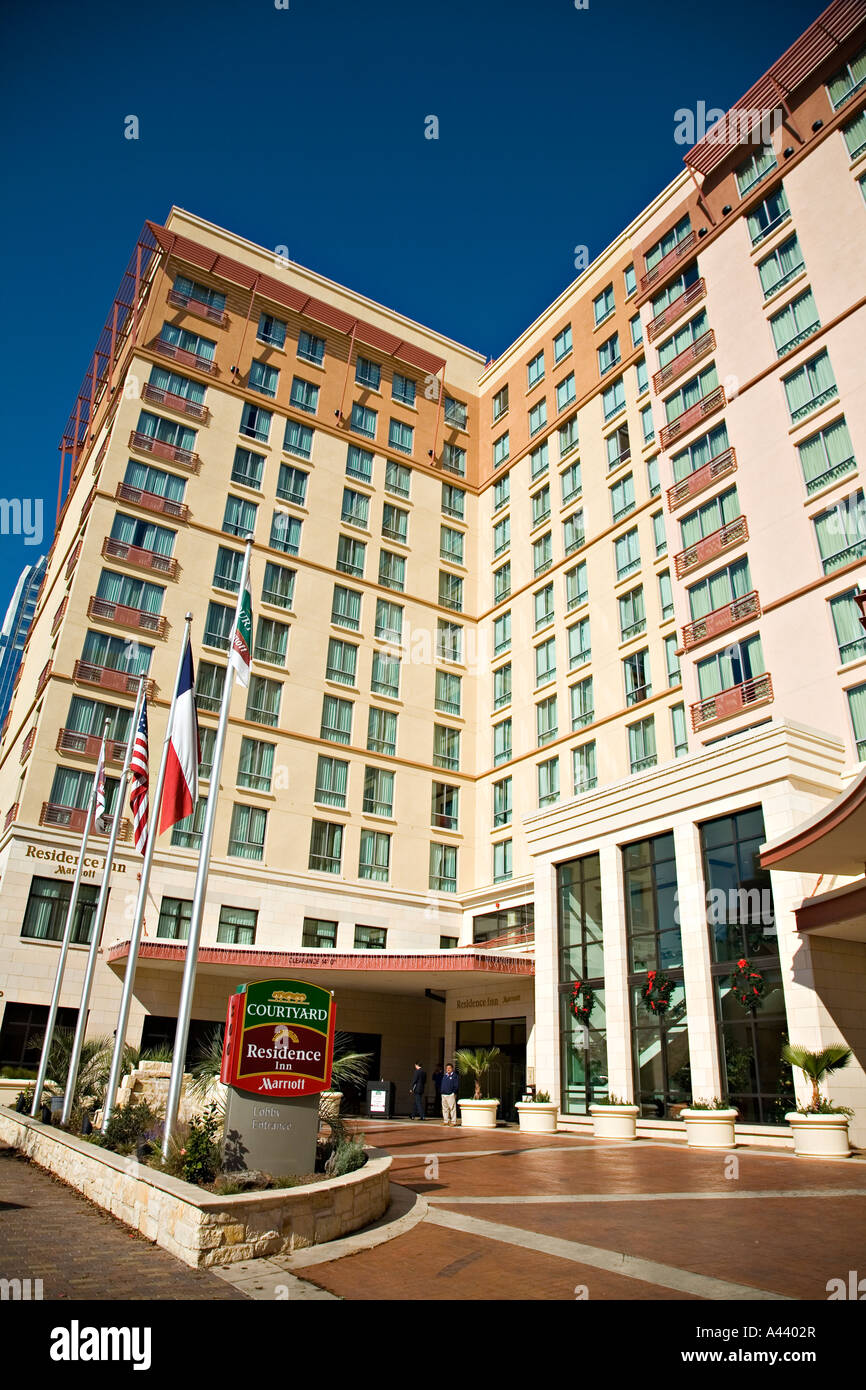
pixel 614 1121
pixel 537 1117
pixel 820 1136
pixel 478 1114
pixel 710 1129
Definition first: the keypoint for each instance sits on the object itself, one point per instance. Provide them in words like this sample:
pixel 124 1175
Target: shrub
pixel 130 1128
pixel 715 1103
pixel 347 1156
pixel 201 1158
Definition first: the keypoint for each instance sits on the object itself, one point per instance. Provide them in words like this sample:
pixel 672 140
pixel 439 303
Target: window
pixel 535 370
pixel 537 417
pixel 648 428
pixel 708 446
pixel 378 791
pixel 841 531
pixel 116 653
pixel 628 276
pixel 285 532
pixel 603 305
pixel 374 860
pixel 256 422
pixel 642 744
pixel 672 661
pixel 385 679
pixel 87 718
pixel 363 420
pixel 548 782
pixel 566 392
pixel 304 395
pixel 855 135
pixel 500 403
pixel 666 597
pixel 356 508
pixel 632 614
pixel 271 331
pixel 627 553
pixel 336 719
pixel 247 467
pixel 237 926
pixel 796 322
pixel 403 389
pixel 851 78
pixel 768 215
pixel 696 389
pixel 542 554
pixel 571 482
pixel 538 461
pixel 608 354
pixel 449 640
pixel 382 731
pixel 350 556
pixel 546 722
pixel 346 608
pixel 47 906
pixel 298 439
pixel 659 533
pixel 618 447
pixel 857 710
pixel 622 497
pixel 398 478
pixel 780 266
pixel 218 626
pixel 263 700
pixel 678 730
pixel 573 532
pixel 207 743
pixel 451 545
pixel 671 239
pixel 582 704
pixel 332 780
pixel 683 338
pixel 502 686
pixel 400 436
pixel 543 606
pixel 502 535
pixel 454 459
pixel 368 373
pixel 370 938
pixel 247 834
pixel 240 517
pixel 811 386
pixel 739 662
pixel 292 485
pixel 501 492
pixel 359 463
pixel 502 861
pixel 155 481
pixel 272 638
pixel 389 621
pixel 392 570
pixel 263 378
pixel 395 523
pixel 719 589
pixel 443 868
pixel 545 662
pixel 198 347
pixel 636 328
pixel 455 413
pixel 641 378
pixel 584 769
pixel 342 661
pixel 129 592
pixel 755 168
pixel 674 289
pixel 318 933
pixel 712 516
pixel 311 348
pixel 562 343
pixel 199 294
pixel 613 398
pixel 501 742
pixel 500 449
pixel 209 681
pixel 175 915
pixel 444 808
pixel 579 647
pixel 278 587
pixel 540 505
pixel 502 633
pixel 454 501
pixel 827 456
pixel 636 673
pixel 448 692
pixel 326 847
pixel 652 475
pixel 501 583
pixel 446 747
pixel 502 807
pixel 568 437
pixel 576 588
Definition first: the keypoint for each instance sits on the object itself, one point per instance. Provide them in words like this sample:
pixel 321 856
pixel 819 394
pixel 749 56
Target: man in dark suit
pixel 416 1090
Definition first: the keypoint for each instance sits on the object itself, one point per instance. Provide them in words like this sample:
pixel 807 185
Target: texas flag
pixel 180 792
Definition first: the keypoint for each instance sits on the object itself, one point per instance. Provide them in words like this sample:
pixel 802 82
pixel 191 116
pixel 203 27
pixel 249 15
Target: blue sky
pixel 305 127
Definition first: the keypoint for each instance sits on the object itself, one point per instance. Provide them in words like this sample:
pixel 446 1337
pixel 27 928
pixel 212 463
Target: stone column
pixel 691 898
pixel 620 1068
pixel 546 1028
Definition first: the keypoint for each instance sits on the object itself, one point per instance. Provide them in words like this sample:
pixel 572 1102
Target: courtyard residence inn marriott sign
pixel 279 1039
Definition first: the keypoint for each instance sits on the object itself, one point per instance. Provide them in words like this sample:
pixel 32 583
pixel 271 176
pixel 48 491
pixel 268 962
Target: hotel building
pixel 559 674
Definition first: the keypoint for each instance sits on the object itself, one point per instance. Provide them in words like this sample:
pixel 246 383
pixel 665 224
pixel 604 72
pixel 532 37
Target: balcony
pixel 683 360
pixel 140 558
pixel 722 619
pixel 148 444
pixel 43 678
pixel 712 545
pixel 119 613
pixel 663 268
pixel 11 815
pixel 707 405
pixel 152 502
pixel 58 616
pixel 27 745
pixel 184 357
pixel 758 690
pixel 88 746
pixel 181 405
pixel 197 307
pixel 88 503
pixel 86 673
pixel 75 818
pixel 73 559
pixel 701 479
pixel 676 309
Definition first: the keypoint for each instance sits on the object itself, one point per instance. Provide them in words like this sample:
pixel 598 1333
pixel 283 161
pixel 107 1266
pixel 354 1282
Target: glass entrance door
pixel 507 1076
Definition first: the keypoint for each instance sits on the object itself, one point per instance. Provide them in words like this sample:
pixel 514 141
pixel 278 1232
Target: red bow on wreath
pixel 582 1001
pixel 656 993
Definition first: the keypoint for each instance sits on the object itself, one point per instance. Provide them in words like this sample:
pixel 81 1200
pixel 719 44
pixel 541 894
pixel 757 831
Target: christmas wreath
pixel 656 993
pixel 582 1001
pixel 748 986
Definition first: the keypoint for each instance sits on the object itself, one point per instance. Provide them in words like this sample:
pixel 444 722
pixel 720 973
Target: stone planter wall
pixel 198 1227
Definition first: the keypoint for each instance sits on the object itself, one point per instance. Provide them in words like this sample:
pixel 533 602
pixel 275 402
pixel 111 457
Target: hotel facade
pixel 559 674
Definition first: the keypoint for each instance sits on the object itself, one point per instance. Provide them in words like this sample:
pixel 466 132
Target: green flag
pixel 239 655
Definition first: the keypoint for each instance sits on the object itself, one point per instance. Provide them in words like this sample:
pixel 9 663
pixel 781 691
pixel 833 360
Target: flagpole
pixel 99 920
pixel 141 902
pixel 181 1036
pixel 67 935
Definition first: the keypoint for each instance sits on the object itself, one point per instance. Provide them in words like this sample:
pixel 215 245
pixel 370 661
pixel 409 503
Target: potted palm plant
pixel 479 1112
pixel 710 1124
pixel 538 1114
pixel 614 1117
pixel 820 1128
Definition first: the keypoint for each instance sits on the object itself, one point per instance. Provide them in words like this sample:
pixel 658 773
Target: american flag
pixel 138 782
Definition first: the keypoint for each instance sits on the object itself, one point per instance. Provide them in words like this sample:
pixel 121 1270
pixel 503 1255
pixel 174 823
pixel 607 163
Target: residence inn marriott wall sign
pixel 277 1055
